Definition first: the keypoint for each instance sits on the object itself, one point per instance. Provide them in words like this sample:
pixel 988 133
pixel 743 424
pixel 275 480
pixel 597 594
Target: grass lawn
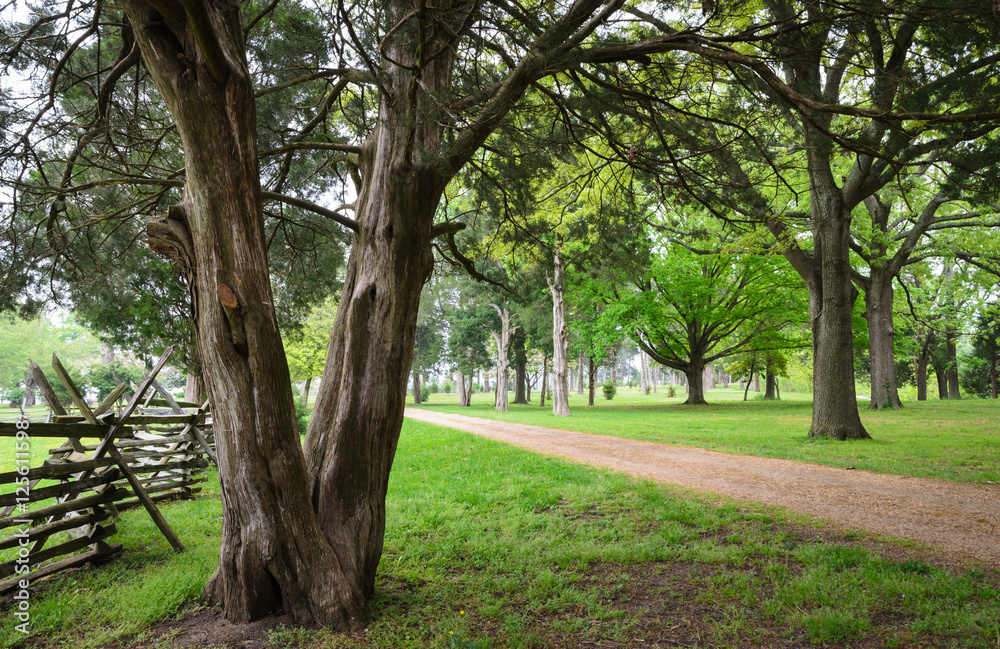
pixel 488 546
pixel 950 440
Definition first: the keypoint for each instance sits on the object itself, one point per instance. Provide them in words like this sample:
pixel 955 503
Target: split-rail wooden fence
pixel 60 514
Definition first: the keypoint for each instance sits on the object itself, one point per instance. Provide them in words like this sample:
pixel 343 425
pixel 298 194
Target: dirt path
pixel 963 520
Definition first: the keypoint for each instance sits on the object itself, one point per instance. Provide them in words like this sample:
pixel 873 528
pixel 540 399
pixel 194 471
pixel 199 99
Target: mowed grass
pixel 951 440
pixel 490 546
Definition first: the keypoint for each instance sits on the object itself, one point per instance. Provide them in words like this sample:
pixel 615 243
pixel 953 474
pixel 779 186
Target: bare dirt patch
pixel 962 521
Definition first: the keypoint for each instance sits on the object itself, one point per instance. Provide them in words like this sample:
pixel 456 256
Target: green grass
pixel 488 545
pixel 950 440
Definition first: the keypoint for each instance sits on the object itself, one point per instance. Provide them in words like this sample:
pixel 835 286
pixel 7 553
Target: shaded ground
pixel 961 520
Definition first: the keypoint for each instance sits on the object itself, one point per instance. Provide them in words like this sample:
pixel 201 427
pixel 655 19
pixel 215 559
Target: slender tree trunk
pixel 881 340
pixel 273 551
pixel 560 341
pixel 461 388
pixel 305 391
pixel 951 371
pixel 746 390
pixel 591 380
pixel 502 341
pixel 920 367
pixel 520 368
pixel 416 388
pixel 709 383
pixel 545 380
pixel 580 373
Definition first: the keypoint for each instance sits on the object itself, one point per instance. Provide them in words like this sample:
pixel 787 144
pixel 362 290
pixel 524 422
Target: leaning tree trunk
pixel 305 391
pixel 274 554
pixel 560 341
pixel 881 341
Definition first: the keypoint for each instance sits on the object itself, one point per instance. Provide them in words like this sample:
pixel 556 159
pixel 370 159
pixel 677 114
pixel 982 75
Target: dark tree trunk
pixel 591 380
pixel 827 274
pixel 305 391
pixel 695 374
pixel 274 554
pixel 520 367
pixel 881 340
pixel 770 386
pixel 920 367
pixel 545 380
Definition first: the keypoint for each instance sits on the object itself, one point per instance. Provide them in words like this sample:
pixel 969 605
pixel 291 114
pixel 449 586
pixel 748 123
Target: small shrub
pixel 302 415
pixel 609 390
pixel 432 387
pixel 646 390
pixel 447 386
pixel 671 390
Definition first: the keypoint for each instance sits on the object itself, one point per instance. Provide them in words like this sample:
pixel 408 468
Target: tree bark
pixel 461 388
pixel 951 367
pixel 696 392
pixel 502 341
pixel 580 373
pixel 591 380
pixel 560 340
pixel 881 339
pixel 770 386
pixel 305 391
pixel 520 368
pixel 273 552
pixel 545 380
pixel 416 388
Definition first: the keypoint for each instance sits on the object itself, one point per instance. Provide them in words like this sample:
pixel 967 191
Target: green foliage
pixel 103 377
pixel 305 347
pixel 982 366
pixel 303 414
pixel 609 389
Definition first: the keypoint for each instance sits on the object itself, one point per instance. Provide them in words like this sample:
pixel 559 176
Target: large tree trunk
pixel 770 386
pixel 273 552
pixel 560 341
pixel 881 339
pixel 827 274
pixel 461 388
pixel 695 374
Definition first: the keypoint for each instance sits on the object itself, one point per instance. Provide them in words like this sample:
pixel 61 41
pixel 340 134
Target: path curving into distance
pixel 960 519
